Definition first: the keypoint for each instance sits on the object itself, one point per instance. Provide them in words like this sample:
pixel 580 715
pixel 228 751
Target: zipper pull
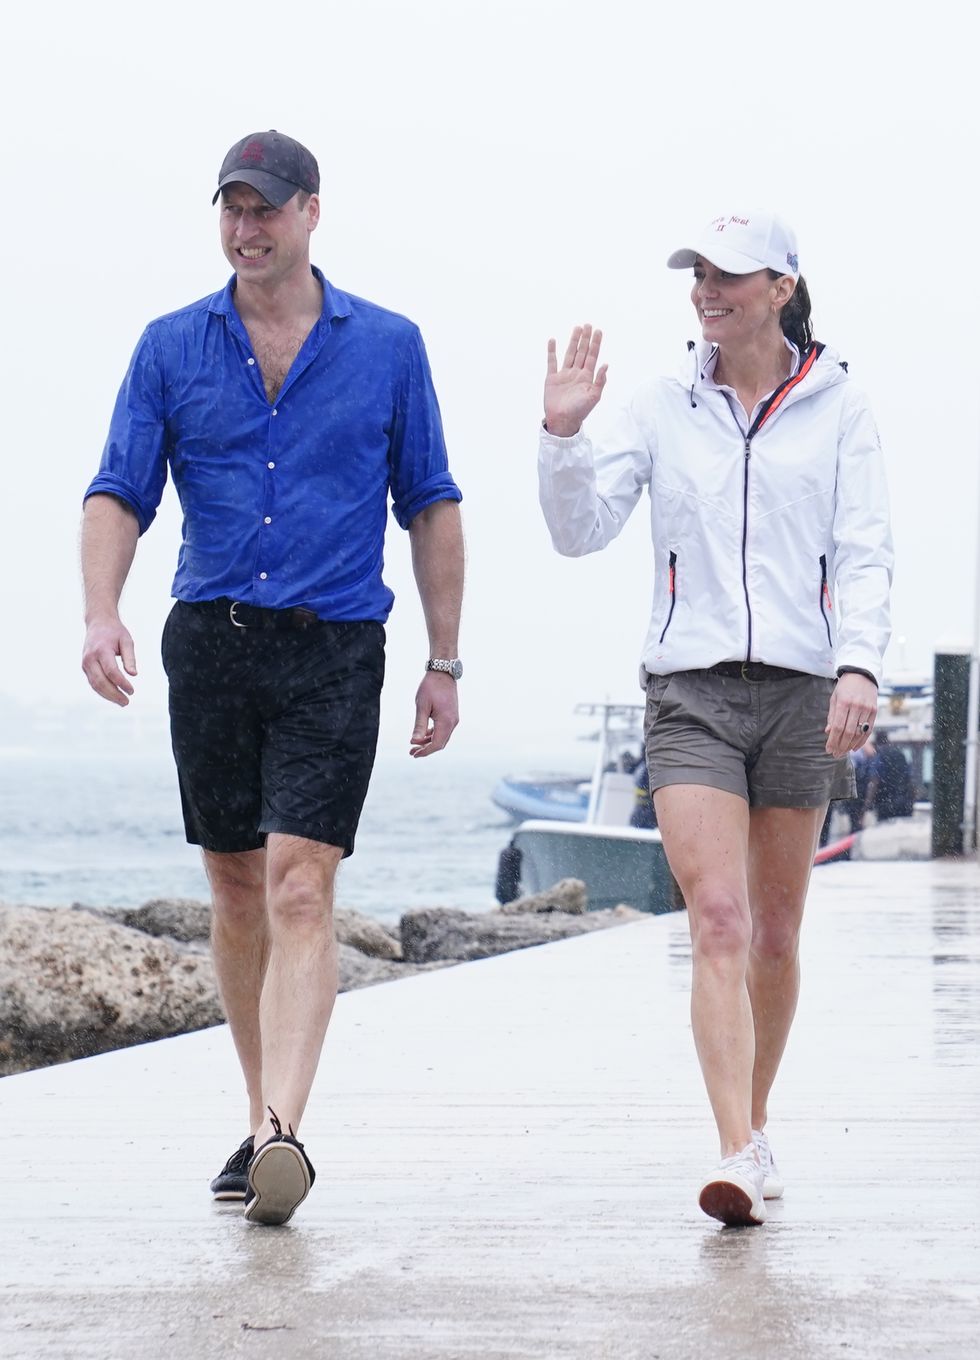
pixel 748 448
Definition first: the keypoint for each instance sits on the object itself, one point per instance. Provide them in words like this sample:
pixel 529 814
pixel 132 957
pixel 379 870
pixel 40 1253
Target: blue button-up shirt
pixel 285 503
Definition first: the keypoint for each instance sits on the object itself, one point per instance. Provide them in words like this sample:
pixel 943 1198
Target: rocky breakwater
pixel 556 914
pixel 79 981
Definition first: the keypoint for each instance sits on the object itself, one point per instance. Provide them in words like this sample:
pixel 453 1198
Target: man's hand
pixel 436 713
pixel 572 391
pixel 853 703
pixel 105 641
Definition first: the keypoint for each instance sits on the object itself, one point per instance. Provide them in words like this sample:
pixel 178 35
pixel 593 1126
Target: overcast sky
pixel 497 172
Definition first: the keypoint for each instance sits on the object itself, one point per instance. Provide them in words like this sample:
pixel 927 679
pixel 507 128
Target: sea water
pixel 107 831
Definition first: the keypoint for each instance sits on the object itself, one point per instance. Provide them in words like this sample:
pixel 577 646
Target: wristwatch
pixel 453 668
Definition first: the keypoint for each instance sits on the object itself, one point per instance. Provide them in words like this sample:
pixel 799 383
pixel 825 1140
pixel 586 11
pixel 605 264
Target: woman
pixel 768 510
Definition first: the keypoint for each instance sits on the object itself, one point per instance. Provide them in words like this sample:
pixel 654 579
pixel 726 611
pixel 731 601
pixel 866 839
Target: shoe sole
pixel 773 1190
pixel 222 1195
pixel 280 1182
pixel 731 1205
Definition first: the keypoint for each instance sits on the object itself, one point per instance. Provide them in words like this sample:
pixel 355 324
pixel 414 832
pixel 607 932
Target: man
pixel 286 411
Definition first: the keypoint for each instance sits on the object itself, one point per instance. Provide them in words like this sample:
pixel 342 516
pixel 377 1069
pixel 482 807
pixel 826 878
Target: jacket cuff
pixel 548 439
pixel 857 670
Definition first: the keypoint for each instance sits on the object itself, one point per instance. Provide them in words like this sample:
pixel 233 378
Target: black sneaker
pixel 231 1181
pixel 279 1178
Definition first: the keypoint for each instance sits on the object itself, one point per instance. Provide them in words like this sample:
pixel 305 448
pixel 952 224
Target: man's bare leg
pixel 300 984
pixel 240 951
pixel 782 843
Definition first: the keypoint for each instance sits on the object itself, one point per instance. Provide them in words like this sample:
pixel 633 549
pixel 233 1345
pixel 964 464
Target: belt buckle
pixel 231 614
pixel 745 666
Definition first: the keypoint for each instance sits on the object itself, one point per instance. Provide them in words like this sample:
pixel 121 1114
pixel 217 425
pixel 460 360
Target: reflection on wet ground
pixel 956 973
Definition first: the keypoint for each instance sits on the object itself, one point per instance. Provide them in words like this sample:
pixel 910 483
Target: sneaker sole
pixel 222 1195
pixel 773 1189
pixel 280 1181
pixel 730 1204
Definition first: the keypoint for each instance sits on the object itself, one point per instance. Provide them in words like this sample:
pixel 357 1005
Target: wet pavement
pixel 508 1156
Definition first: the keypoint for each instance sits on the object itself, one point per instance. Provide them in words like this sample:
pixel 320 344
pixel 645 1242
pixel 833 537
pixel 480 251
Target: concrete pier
pixel 508 1156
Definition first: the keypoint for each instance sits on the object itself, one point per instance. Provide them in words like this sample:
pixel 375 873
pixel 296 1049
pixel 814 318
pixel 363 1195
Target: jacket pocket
pixel 672 591
pixel 826 604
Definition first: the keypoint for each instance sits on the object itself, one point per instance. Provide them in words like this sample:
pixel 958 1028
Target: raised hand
pixel 572 391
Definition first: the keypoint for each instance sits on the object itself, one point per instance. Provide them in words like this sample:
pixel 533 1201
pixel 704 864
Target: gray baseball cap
pixel 272 163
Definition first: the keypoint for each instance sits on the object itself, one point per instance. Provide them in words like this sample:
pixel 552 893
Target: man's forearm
pixel 109 535
pixel 438 562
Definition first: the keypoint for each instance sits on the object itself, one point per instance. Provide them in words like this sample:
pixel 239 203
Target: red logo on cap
pixel 253 154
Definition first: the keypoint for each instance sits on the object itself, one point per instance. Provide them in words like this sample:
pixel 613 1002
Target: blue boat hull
pixel 554 798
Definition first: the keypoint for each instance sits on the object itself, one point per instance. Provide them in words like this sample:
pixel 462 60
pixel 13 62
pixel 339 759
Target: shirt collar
pixel 335 303
pixel 708 367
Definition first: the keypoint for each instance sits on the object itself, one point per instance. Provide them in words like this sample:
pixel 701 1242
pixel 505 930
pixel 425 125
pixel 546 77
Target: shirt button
pixel 263 576
pixel 267 520
pixel 251 362
pixel 274 411
pixel 272 465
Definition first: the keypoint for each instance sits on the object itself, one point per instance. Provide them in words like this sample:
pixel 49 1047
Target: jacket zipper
pixel 825 600
pixel 745 541
pixel 807 360
pixel 672 587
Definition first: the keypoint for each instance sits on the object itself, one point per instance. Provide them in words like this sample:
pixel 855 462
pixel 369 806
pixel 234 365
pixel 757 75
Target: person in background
pixel 285 410
pixel 769 520
pixel 643 812
pixel 889 792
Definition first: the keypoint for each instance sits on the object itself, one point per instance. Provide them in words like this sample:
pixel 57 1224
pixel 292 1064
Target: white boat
pixel 565 797
pixel 616 861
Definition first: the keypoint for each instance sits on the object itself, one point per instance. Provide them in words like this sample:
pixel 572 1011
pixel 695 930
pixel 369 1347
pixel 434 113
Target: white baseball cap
pixel 741 243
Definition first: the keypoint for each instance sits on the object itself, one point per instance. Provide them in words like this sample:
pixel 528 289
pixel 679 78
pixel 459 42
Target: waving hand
pixel 572 391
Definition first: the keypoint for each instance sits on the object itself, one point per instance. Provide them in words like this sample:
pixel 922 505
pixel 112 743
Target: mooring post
pixel 951 693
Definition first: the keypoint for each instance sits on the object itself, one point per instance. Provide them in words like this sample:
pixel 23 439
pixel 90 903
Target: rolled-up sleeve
pixel 134 461
pixel 419 464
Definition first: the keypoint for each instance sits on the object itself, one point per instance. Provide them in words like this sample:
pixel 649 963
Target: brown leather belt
pixel 754 670
pixel 253 616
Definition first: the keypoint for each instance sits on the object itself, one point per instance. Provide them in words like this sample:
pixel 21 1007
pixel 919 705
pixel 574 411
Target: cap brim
pixel 720 256
pixel 273 189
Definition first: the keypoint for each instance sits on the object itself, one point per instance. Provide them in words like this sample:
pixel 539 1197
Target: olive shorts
pixel 763 740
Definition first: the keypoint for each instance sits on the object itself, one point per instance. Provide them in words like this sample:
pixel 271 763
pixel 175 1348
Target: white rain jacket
pixel 773 546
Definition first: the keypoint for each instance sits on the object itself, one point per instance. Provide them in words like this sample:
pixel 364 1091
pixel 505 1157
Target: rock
pixel 72 984
pixel 366 934
pixel 179 918
pixel 438 933
pixel 568 895
pixel 360 970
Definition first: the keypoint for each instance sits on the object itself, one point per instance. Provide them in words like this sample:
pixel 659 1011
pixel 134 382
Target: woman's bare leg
pixel 782 843
pixel 705 833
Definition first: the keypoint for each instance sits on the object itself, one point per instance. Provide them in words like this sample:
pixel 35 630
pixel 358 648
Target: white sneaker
pixel 733 1192
pixel 773 1188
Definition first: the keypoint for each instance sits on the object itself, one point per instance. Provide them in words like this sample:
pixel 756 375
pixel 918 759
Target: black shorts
pixel 274 727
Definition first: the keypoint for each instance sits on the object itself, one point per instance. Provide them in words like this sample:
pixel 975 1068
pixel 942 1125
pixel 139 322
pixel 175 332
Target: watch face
pixel 456 670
